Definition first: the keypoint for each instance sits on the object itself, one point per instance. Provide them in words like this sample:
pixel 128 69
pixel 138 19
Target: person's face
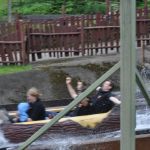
pixel 31 98
pixel 106 86
pixel 79 85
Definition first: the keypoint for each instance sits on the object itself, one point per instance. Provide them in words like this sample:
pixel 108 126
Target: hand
pixel 29 119
pixel 68 80
pixel 98 88
pixel 79 85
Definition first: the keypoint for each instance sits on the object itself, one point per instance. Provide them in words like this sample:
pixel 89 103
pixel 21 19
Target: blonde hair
pixel 34 92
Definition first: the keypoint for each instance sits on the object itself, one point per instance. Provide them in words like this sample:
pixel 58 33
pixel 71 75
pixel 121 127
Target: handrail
pixel 91 88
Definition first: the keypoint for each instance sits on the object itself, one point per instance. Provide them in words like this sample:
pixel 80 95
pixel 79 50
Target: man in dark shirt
pixel 102 102
pixel 37 109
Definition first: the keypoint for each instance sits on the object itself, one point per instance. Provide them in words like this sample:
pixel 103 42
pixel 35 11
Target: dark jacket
pixel 36 111
pixel 101 102
pixel 80 111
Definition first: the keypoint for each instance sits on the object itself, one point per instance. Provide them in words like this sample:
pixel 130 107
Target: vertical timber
pixel 128 65
pixel 9 10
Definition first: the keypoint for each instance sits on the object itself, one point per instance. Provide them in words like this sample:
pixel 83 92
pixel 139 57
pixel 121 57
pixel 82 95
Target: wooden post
pixel 128 65
pixel 82 35
pixel 143 52
pixel 63 9
pixel 22 36
pixel 108 6
pixel 145 4
pixel 142 87
pixel 9 10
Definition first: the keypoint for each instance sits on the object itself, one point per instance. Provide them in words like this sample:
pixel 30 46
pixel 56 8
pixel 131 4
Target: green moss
pixel 101 69
pixel 14 69
pixel 97 68
pixel 57 78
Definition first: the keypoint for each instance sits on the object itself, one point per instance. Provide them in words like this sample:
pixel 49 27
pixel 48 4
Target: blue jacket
pixel 22 110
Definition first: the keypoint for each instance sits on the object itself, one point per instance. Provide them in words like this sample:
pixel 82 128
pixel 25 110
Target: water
pixel 143 118
pixel 3 141
pixel 62 142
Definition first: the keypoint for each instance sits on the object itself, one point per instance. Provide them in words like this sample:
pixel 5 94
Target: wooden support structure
pixel 108 6
pixel 9 10
pixel 145 3
pixel 128 65
pixel 142 87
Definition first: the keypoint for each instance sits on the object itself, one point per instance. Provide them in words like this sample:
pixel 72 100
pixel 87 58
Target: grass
pixel 14 69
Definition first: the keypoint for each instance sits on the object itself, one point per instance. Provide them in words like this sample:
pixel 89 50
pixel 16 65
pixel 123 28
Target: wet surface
pixel 62 142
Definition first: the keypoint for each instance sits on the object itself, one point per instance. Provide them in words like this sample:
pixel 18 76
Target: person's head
pixel 79 85
pixel 107 85
pixel 33 95
pixel 23 107
pixel 85 102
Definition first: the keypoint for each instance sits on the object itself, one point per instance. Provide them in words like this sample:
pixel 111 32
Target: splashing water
pixel 62 142
pixel 143 118
pixel 3 141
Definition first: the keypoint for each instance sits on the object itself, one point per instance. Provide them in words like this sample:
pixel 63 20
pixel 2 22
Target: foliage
pixel 27 7
pixel 55 6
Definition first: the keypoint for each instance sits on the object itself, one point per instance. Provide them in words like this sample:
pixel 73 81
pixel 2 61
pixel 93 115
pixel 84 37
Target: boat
pixel 79 125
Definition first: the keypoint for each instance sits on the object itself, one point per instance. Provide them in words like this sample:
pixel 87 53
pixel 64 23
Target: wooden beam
pixel 128 65
pixel 69 107
pixel 9 10
pixel 142 87
pixel 108 6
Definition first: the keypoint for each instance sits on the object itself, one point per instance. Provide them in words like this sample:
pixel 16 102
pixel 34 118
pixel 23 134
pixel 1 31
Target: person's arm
pixel 115 100
pixel 71 90
pixel 98 88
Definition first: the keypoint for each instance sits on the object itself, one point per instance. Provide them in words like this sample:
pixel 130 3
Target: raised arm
pixel 115 100
pixel 71 90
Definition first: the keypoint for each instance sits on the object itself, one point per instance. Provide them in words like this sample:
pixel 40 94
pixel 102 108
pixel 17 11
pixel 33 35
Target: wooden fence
pixel 12 44
pixel 26 41
pixel 75 35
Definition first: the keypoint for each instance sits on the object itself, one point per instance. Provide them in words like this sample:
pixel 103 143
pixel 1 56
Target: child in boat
pixel 21 115
pixel 33 109
pixel 36 110
pixel 22 112
pixel 102 102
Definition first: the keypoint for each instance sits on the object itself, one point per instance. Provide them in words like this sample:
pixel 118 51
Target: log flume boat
pixel 74 126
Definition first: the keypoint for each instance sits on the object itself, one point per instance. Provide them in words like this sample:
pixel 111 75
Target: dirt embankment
pixel 49 77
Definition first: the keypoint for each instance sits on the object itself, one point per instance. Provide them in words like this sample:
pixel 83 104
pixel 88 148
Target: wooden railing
pixel 25 41
pixel 12 44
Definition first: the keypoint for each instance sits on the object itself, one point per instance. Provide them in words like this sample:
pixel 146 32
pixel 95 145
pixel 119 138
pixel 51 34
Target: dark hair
pixel 111 84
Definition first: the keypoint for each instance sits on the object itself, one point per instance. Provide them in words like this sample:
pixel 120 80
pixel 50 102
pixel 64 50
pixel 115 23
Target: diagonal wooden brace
pixel 142 87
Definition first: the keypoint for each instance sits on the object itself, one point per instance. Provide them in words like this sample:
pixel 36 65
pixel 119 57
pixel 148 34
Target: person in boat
pixel 104 100
pixel 36 109
pixel 84 107
pixel 21 115
pixel 101 102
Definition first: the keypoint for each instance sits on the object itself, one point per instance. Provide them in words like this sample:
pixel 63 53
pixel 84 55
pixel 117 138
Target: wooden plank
pixel 142 87
pixel 49 34
pixel 128 65
pixel 10 42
